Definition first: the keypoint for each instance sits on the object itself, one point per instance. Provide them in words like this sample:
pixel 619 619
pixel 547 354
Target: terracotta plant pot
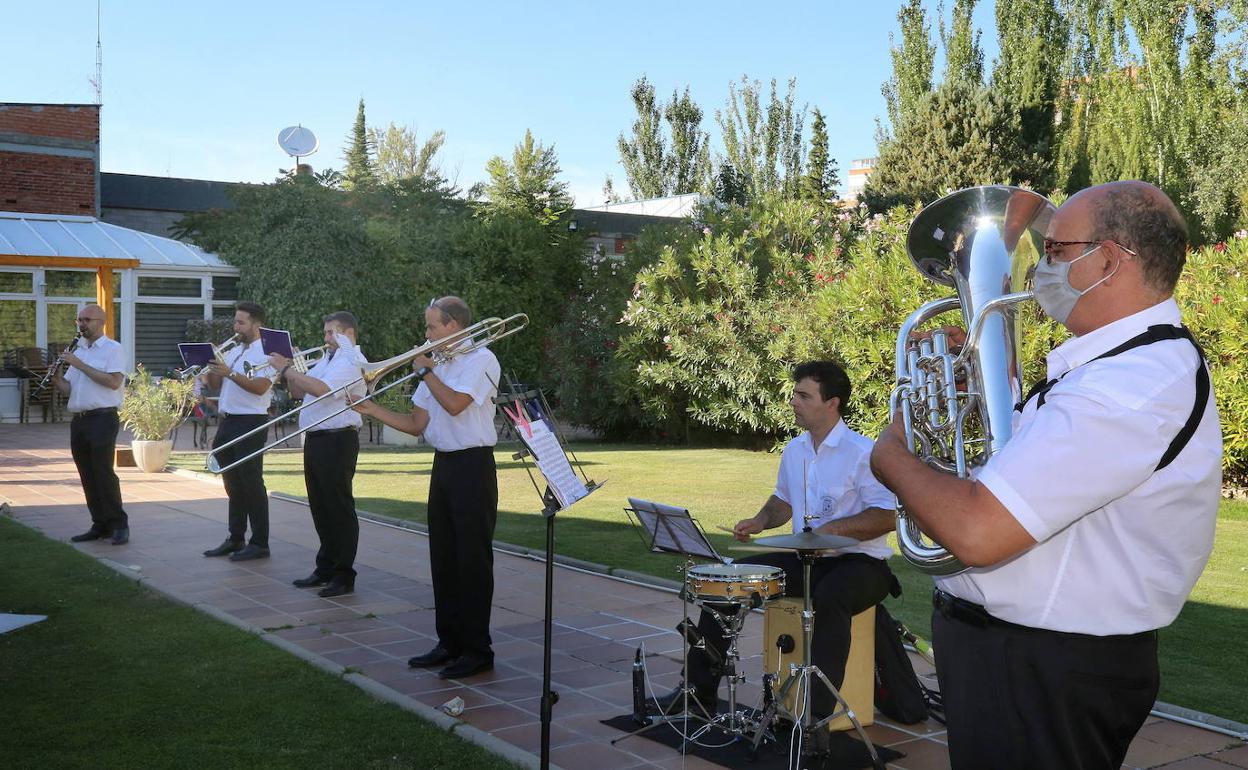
pixel 151 456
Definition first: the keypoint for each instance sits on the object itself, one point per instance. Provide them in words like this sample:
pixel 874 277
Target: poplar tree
pixel 763 144
pixel 655 165
pixel 913 62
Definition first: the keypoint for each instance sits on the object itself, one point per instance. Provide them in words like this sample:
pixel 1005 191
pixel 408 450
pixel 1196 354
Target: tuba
pixel 956 405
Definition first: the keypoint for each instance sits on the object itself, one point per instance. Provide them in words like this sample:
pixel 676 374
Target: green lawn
pixel 1203 665
pixel 118 676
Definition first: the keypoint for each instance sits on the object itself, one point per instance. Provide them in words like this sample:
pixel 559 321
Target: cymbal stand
pixel 811 674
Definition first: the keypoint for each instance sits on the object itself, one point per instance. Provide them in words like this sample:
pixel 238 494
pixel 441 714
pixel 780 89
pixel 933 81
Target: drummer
pixel 825 485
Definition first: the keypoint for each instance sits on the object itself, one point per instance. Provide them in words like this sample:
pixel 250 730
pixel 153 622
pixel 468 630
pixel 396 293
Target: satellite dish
pixel 297 141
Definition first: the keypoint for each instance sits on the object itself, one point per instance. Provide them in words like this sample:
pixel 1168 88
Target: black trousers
pixel 92 441
pixel 463 509
pixel 328 470
pixel 1018 697
pixel 843 586
pixel 249 500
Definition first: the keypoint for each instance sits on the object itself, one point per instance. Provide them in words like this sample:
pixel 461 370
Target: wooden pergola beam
pixel 103 267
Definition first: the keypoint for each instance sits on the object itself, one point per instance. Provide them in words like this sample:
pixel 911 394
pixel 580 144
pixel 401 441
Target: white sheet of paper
pixel 10 622
pixel 553 463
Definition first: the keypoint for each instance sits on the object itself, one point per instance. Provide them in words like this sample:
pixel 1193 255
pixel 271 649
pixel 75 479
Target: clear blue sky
pixel 200 90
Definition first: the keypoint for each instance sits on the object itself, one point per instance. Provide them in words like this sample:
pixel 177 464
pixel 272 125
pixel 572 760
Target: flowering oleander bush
pixel 721 313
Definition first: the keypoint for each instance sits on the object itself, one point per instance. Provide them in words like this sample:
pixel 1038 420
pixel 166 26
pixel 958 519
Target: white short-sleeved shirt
pixel 1118 546
pixel 85 393
pixel 341 369
pixel 235 400
pixel 832 482
pixel 474 374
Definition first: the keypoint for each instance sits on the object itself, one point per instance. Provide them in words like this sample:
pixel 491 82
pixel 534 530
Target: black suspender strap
pixel 1153 334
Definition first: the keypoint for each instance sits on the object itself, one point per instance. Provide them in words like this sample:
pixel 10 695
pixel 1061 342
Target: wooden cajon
pixel 784 616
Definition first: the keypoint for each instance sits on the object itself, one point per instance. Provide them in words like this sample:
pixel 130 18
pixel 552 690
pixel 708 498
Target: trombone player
pixel 330 450
pixel 453 409
pixel 243 406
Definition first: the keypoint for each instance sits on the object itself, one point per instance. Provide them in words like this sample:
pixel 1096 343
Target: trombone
pixel 301 362
pixel 466 340
pixel 218 354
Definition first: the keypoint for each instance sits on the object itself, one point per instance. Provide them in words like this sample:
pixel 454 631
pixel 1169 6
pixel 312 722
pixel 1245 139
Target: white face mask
pixel 1052 286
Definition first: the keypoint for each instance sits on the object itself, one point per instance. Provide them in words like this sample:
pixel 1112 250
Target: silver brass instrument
pixel 466 340
pixel 56 365
pixel 218 355
pixel 984 242
pixel 302 361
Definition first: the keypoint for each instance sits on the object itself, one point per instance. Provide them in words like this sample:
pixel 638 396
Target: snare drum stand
pixel 811 674
pixel 735 722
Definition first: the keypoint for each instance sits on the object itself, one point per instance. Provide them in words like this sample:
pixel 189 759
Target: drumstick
pixel 729 530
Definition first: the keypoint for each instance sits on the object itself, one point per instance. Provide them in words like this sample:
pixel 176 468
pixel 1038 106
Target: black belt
pixel 468 450
pixel 327 431
pixel 954 608
pixel 101 410
pixel 223 415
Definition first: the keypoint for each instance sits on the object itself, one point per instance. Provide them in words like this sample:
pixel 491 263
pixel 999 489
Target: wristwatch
pixel 422 372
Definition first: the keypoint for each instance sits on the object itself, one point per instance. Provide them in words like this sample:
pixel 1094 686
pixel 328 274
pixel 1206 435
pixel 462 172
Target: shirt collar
pixel 833 438
pixel 1080 350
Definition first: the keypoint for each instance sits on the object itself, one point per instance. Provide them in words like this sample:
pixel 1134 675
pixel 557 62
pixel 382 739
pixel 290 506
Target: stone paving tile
pixel 599 623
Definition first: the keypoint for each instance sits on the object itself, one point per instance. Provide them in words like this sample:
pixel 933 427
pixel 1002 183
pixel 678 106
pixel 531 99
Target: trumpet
pixel 56 365
pixel 218 354
pixel 466 340
pixel 302 361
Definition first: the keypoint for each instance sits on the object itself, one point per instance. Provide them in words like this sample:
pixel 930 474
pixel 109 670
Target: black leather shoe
pixel 701 702
pixel 121 536
pixel 226 548
pixel 467 665
pixel 249 552
pixel 311 581
pixel 436 657
pixel 90 534
pixel 336 588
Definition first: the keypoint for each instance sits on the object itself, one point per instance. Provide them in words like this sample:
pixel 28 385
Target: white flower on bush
pixel 1241 234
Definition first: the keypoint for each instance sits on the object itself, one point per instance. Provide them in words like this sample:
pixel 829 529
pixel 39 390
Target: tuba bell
pixel 956 405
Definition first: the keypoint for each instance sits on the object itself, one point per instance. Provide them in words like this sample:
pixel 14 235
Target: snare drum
pixel 734 583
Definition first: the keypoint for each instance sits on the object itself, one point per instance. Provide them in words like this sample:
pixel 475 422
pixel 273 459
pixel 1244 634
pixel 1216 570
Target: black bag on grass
pixel 898 694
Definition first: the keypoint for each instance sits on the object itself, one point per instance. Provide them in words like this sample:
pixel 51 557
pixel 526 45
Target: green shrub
pixel 151 409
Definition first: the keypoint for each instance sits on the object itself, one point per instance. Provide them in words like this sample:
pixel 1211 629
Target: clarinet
pixel 56 365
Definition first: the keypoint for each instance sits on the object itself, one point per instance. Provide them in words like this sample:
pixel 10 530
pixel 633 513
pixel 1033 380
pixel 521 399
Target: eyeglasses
pixel 82 320
pixel 434 303
pixel 1051 246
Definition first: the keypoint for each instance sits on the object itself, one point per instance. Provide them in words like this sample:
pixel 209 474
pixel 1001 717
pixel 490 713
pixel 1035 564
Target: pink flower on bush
pixel 1219 246
pixel 706 231
pixel 1217 299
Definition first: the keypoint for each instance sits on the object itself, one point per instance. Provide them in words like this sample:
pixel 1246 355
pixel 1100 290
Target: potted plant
pixel 397 399
pixel 151 409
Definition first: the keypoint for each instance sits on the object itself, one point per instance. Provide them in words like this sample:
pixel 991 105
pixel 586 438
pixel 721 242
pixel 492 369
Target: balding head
pixel 91 322
pixel 1142 218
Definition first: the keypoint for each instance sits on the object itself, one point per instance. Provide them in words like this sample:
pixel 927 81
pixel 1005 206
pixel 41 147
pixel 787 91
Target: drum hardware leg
pixel 814 676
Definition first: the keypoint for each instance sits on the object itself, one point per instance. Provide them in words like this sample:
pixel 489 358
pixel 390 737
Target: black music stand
pixel 671 529
pixel 547 448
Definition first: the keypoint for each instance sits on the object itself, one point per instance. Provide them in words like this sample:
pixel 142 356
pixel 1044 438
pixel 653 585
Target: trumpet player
pixel 330 450
pixel 1087 531
pixel 243 405
pixel 93 382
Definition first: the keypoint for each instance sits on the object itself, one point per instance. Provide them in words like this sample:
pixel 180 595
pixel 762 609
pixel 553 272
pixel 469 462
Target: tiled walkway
pixel 599 621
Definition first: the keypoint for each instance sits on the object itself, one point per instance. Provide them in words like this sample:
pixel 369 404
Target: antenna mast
pixel 98 83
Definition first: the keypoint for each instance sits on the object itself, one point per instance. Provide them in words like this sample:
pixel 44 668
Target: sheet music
pixel 195 353
pixel 553 463
pixel 276 341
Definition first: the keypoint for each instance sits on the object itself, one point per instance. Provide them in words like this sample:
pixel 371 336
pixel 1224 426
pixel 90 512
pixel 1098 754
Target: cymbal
pixel 800 541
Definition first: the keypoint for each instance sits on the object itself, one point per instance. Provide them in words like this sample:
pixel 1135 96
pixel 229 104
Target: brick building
pixel 49 154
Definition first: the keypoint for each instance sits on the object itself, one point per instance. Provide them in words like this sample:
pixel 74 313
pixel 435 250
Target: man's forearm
pixel 774 513
pixel 865 525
